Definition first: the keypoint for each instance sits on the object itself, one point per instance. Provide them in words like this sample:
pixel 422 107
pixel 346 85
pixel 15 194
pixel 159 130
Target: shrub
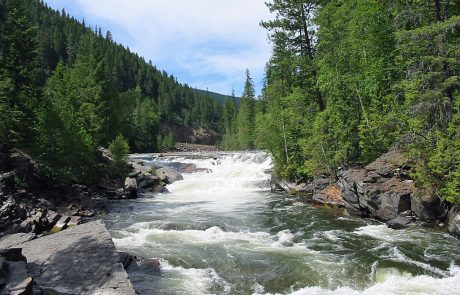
pixel 119 149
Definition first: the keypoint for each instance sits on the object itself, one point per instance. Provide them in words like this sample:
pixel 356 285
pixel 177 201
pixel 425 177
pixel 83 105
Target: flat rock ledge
pixel 79 260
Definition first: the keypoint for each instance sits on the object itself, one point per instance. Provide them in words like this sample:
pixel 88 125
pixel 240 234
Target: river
pixel 225 232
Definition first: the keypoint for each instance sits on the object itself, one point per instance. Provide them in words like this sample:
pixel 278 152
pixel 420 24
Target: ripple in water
pixel 225 233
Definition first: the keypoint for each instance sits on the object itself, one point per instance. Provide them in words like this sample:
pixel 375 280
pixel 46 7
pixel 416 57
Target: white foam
pixel 285 238
pixel 235 182
pixel 193 280
pixel 142 234
pixel 383 232
pixel 400 257
pixel 391 281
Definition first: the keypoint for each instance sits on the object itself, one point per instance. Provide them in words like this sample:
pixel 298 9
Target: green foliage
pixel 153 170
pixel 119 149
pixel 349 80
pixel 19 86
pixel 246 116
pixel 66 89
pixel 166 143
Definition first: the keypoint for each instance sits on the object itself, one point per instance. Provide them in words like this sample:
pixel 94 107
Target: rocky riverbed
pixel 383 190
pixel 51 242
pixel 50 239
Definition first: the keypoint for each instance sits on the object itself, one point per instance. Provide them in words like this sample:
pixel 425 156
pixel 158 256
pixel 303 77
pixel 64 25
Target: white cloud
pixel 196 40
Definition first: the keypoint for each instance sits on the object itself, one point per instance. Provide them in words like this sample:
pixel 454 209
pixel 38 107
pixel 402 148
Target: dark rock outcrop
pixel 32 202
pixel 188 148
pixel 14 276
pixel 453 221
pixel 330 196
pixel 141 270
pixel 103 155
pixel 300 187
pixel 131 187
pixel 381 189
pixel 168 175
pixel 193 134
pixel 79 260
pixel 428 208
pixel 146 180
pixel 187 168
pixel 399 222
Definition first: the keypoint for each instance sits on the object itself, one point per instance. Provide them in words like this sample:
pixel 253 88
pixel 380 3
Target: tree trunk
pixel 310 54
pixel 437 6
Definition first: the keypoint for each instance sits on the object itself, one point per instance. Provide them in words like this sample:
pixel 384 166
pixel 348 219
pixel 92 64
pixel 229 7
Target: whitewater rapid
pixel 224 232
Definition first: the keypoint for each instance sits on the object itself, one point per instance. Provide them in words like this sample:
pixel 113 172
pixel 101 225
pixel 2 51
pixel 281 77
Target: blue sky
pixel 204 43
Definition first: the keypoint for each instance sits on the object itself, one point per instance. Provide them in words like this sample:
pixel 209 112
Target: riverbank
pixel 224 232
pixel 223 213
pixel 383 190
pixel 49 226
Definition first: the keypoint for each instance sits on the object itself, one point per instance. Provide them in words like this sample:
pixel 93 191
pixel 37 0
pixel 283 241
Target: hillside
pixel 60 37
pixel 66 88
pixel 216 96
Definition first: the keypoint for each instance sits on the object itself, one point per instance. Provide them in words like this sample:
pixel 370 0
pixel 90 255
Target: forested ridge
pixel 66 88
pixel 349 80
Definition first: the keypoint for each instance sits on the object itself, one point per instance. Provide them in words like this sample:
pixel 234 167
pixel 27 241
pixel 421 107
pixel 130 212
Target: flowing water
pixel 225 233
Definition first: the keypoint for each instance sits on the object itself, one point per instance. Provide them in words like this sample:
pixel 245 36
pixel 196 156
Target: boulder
pixel 134 173
pixel 74 221
pixel 275 186
pixel 146 180
pixel 131 187
pixel 12 254
pixel 399 222
pixel 146 266
pixel 79 260
pixel 299 187
pixel 125 258
pixel 453 220
pixel 142 270
pixel 169 175
pixel 190 168
pixel 53 218
pixel 330 196
pixel 428 208
pixel 14 276
pixel 18 280
pixel 61 224
pixel 7 212
pixel 139 167
pixel 380 190
pixel 3 271
pixel 103 156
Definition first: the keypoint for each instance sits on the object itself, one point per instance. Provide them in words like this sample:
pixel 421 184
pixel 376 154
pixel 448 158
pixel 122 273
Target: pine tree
pixel 19 89
pixel 246 116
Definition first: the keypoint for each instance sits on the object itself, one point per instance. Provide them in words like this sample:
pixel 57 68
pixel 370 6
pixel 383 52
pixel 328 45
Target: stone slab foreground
pixel 79 260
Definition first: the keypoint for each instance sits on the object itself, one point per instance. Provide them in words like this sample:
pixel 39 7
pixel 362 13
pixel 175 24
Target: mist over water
pixel 225 233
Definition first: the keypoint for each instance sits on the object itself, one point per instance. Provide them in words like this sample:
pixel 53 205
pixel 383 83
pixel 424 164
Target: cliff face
pixel 193 134
pixel 382 190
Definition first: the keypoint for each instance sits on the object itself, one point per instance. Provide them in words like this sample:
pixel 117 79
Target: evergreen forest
pixel 66 89
pixel 349 80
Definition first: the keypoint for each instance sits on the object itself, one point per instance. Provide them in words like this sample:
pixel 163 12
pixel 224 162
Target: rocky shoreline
pixel 54 235
pixel 382 190
pixel 52 243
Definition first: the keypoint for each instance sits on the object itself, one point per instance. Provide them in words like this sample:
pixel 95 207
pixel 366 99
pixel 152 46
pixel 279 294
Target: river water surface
pixel 225 233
